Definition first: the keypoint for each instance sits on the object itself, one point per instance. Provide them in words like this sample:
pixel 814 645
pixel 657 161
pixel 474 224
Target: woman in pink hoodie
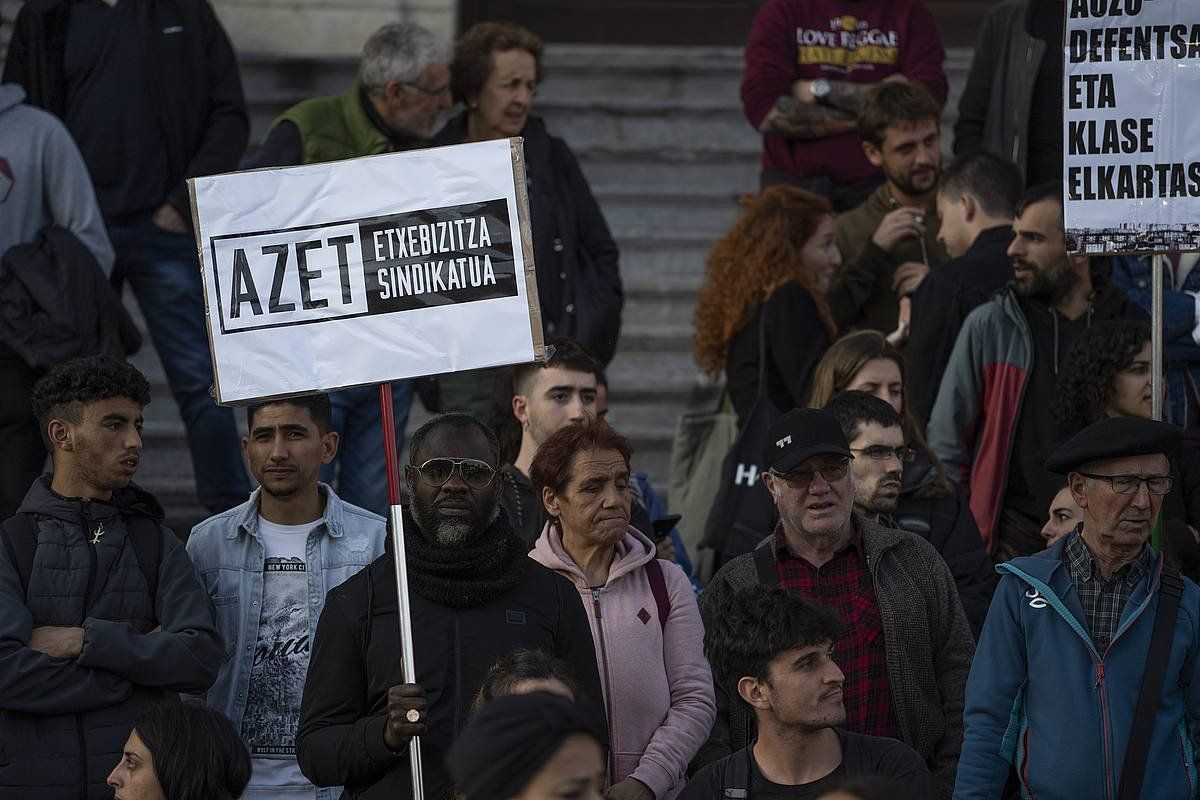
pixel 649 639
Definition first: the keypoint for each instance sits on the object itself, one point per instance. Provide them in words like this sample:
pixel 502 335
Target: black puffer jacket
pixel 356 659
pixel 578 275
pixel 63 723
pixel 947 524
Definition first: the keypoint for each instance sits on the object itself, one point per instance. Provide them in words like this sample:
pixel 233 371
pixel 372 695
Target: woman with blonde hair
pixel 930 505
pixel 767 278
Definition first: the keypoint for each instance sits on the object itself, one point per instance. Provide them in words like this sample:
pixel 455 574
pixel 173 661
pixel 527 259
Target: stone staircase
pixel 661 135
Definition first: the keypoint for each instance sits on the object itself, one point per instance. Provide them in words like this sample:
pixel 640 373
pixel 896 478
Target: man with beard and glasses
pixel 475 597
pixel 268 564
pixel 101 614
pixel 890 241
pixel 780 651
pixel 991 424
pixel 876 435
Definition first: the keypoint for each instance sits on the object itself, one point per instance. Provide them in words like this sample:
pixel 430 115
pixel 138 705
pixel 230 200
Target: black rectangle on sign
pixel 438 256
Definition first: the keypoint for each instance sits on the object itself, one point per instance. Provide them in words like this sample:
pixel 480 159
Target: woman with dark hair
pixel 181 751
pixel 1107 374
pixel 767 278
pixel 646 626
pixel 531 746
pixel 495 72
pixel 929 505
pixel 525 670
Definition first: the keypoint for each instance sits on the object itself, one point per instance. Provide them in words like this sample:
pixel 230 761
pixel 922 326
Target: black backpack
pixel 19 534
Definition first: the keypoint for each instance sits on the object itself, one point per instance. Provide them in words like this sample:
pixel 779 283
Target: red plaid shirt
pixel 843 584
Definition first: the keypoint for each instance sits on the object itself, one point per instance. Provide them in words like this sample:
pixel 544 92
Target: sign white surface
pixel 1131 125
pixel 325 276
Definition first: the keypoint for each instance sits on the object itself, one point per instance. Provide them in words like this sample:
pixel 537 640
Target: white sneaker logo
pixel 1035 599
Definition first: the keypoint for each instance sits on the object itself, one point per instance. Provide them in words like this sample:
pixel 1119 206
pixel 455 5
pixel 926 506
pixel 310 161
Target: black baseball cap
pixel 801 434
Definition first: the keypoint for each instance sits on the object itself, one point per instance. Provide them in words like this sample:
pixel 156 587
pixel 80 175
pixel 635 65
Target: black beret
pixel 1115 437
pixel 506 742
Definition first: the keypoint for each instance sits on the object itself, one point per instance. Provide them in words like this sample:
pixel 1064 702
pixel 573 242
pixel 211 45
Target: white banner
pixel 356 272
pixel 1131 125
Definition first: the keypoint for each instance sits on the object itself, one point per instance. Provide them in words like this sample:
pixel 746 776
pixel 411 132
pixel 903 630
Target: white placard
pixel 1131 125
pixel 355 272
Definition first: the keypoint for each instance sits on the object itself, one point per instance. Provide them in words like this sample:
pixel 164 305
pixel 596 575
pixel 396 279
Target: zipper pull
pixel 1099 674
pixel 596 602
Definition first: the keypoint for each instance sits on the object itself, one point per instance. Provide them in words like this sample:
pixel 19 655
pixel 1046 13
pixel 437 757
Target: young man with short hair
pixel 780 651
pixel 268 565
pixel 976 203
pixel 546 396
pixel 889 242
pixel 101 614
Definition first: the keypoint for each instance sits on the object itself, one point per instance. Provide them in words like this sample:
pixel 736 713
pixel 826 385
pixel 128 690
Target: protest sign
pixel 1131 132
pixel 345 273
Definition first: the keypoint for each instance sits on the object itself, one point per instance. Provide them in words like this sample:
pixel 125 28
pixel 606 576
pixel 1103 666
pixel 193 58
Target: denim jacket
pixel 228 556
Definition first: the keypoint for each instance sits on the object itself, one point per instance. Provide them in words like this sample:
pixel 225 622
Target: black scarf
pixel 464 577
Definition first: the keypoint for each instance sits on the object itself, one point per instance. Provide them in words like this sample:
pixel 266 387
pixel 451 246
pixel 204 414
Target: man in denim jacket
pixel 268 565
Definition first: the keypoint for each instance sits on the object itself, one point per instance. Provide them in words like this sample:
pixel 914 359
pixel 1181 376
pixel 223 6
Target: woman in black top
pixel 769 274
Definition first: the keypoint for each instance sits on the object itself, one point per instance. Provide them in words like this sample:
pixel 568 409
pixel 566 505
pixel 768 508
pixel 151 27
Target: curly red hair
pixel 759 254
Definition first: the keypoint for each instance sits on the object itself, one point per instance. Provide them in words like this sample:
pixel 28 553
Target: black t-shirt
pixel 109 110
pixel 862 755
pixel 1045 21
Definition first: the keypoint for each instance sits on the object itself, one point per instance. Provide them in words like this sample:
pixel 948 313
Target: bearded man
pixel 989 424
pixel 890 241
pixel 475 597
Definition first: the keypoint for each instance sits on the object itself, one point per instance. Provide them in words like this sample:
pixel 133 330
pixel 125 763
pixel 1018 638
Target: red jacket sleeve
pixel 770 61
pixel 922 55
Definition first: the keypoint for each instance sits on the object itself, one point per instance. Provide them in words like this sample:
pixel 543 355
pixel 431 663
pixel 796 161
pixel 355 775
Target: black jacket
pixel 946 523
pixel 56 304
pixel 795 341
pixel 356 658
pixel 940 305
pixel 197 88
pixel 63 723
pixel 578 272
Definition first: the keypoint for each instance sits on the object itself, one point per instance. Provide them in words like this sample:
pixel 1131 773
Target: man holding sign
pixel 476 597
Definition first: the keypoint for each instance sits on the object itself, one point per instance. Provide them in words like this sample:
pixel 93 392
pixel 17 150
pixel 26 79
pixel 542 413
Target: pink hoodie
pixel 658 687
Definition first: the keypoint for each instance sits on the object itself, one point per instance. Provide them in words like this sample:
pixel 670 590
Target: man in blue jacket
pixel 1056 676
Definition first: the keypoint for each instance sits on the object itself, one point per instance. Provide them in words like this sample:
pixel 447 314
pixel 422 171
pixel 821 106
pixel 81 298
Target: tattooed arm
pixel 801 116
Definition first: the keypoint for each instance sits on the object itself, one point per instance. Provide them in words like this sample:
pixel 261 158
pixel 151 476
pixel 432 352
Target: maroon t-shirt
pixel 860 41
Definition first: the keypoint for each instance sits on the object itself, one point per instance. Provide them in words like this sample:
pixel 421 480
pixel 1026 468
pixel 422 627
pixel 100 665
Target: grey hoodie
pixel 43 180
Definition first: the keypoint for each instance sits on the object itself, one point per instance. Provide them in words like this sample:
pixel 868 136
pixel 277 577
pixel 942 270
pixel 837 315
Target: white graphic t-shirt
pixel 280 664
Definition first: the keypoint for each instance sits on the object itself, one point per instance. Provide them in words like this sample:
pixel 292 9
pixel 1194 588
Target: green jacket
pixel 861 295
pixel 334 128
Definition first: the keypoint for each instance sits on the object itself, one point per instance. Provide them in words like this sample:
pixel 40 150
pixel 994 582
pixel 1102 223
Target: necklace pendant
pixel 98 533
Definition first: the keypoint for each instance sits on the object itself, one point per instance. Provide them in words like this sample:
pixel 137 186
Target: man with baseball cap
pixel 1089 663
pixel 905 646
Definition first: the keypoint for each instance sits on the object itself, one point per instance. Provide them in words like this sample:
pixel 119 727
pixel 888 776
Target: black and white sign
pixel 1131 127
pixel 361 271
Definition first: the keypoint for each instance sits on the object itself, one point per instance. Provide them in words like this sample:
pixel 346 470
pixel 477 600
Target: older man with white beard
pixel 475 597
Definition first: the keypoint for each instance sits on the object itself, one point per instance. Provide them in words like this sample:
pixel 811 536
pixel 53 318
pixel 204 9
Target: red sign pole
pixel 408 669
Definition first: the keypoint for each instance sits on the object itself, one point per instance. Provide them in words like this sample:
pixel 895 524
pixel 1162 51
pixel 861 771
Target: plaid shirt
pixel 1102 600
pixel 843 584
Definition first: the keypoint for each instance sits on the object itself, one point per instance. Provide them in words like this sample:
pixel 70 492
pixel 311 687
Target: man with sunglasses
pixel 905 646
pixel 267 564
pixel 475 597
pixel 894 490
pixel 1070 638
pixel 403 85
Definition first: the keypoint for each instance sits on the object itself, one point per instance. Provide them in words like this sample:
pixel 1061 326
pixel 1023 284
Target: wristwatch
pixel 820 89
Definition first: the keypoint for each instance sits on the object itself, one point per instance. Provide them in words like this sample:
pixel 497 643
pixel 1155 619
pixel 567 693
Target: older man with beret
pixel 1087 670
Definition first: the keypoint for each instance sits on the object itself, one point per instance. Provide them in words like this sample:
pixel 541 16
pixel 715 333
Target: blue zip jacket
pixel 1042 699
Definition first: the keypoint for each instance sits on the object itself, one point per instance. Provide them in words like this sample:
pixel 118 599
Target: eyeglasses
pixel 1128 484
pixel 879 452
pixel 438 92
pixel 802 478
pixel 475 473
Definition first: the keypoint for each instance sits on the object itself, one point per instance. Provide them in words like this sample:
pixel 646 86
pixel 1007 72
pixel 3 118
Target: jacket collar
pixel 634 550
pixel 874 539
pixel 246 520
